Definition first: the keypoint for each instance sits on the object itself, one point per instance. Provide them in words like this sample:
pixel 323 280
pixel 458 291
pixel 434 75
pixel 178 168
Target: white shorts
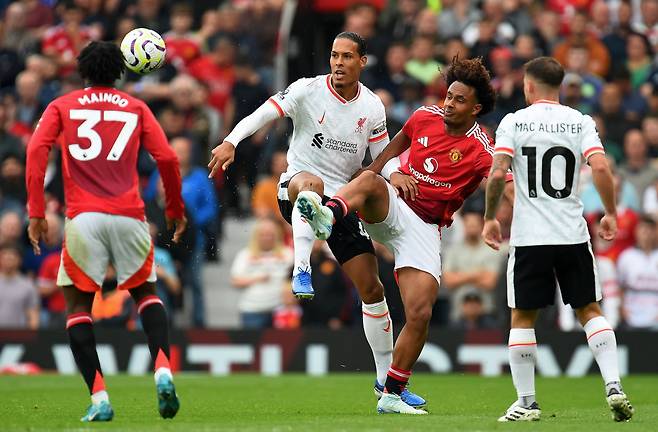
pixel 94 240
pixel 414 242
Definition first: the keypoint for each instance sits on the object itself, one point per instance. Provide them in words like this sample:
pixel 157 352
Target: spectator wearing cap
pixel 472 315
pixel 470 266
pixel 19 299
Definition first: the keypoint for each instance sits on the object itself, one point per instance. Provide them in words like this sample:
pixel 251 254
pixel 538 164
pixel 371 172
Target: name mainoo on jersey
pixel 427 179
pixel 571 128
pixel 112 98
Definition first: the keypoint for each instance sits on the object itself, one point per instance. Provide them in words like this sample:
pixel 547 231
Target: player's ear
pixel 476 109
pixel 364 61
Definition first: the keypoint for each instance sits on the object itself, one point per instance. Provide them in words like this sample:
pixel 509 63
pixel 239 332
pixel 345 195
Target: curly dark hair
pixel 101 63
pixel 472 73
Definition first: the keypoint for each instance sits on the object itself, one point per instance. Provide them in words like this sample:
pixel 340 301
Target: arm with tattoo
pixel 496 184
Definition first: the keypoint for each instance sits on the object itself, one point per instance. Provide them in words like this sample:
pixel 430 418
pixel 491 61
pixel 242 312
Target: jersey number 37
pixel 86 130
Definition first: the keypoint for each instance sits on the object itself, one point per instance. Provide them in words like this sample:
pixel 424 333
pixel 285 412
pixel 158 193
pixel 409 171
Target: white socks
pixel 100 396
pixel 602 342
pixel 303 239
pixel 378 328
pixel 162 372
pixel 522 356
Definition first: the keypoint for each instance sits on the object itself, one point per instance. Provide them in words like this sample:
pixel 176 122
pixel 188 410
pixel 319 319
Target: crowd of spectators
pixel 220 67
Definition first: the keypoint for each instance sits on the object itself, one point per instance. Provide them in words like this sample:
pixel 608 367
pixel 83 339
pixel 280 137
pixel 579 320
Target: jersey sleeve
pixel 287 101
pixel 410 125
pixel 155 142
pixel 38 148
pixel 505 136
pixel 590 142
pixel 379 132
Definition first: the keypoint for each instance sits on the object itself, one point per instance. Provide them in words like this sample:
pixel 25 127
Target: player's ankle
pixel 100 396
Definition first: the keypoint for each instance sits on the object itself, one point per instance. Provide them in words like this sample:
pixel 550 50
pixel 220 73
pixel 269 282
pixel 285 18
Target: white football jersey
pixel 330 134
pixel 548 143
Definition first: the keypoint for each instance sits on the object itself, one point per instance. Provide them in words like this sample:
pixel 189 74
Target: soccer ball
pixel 143 50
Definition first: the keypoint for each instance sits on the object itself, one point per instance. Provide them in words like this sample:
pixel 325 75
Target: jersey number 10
pixel 546 165
pixel 86 130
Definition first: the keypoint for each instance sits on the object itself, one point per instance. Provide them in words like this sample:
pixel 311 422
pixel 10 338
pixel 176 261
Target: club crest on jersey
pixel 455 155
pixel 430 165
pixel 360 124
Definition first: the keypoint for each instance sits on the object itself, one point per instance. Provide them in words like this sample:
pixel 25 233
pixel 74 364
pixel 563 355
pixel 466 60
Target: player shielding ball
pixel 545 144
pixel 100 130
pixel 336 119
pixel 449 156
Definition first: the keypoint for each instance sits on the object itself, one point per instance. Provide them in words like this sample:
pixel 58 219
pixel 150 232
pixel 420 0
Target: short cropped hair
pixel 546 70
pixel 356 38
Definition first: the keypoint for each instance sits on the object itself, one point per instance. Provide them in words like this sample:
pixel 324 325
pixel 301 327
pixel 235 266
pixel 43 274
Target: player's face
pixel 346 63
pixel 460 104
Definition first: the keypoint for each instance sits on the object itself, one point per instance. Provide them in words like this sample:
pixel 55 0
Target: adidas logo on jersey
pixel 423 141
pixel 318 139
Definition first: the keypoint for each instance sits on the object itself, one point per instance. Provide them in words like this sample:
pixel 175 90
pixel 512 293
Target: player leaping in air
pixel 449 156
pixel 336 119
pixel 546 144
pixel 100 130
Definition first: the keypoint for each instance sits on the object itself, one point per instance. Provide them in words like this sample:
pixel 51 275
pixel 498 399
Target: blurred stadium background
pixel 224 59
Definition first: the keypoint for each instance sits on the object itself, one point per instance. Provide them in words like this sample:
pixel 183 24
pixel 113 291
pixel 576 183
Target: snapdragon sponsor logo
pixel 427 179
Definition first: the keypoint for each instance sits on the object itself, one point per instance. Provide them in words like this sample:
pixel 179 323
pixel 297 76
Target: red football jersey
pixel 100 130
pixel 448 168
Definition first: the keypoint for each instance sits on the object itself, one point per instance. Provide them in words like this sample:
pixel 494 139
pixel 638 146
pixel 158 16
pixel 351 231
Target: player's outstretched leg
pixel 154 321
pixel 79 327
pixel 601 340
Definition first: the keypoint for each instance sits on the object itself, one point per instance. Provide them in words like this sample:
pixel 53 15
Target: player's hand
pixel 36 231
pixel 491 234
pixel 222 156
pixel 405 185
pixel 608 227
pixel 180 225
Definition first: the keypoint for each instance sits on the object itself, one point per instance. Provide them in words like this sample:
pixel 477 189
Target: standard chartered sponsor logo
pixel 341 146
pixel 427 179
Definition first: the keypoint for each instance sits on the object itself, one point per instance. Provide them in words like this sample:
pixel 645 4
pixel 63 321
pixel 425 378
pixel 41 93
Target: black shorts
pixel 348 237
pixel 532 272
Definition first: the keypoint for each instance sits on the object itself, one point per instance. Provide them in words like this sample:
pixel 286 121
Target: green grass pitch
pixel 339 402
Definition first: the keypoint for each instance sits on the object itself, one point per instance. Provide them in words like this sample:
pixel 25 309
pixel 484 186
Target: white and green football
pixel 143 50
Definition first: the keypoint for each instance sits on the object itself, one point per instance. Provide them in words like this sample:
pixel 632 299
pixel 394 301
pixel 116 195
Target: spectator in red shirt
pixel 182 47
pixel 216 70
pixel 64 42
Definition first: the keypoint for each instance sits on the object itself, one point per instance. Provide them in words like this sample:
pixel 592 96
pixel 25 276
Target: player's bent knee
pixel 371 292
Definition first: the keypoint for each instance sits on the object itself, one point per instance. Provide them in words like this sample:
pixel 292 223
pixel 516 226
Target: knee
pixel 312 183
pixel 371 291
pixel 588 312
pixel 419 315
pixel 368 180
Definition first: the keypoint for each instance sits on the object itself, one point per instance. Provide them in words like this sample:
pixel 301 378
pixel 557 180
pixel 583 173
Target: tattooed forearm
pixel 496 184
